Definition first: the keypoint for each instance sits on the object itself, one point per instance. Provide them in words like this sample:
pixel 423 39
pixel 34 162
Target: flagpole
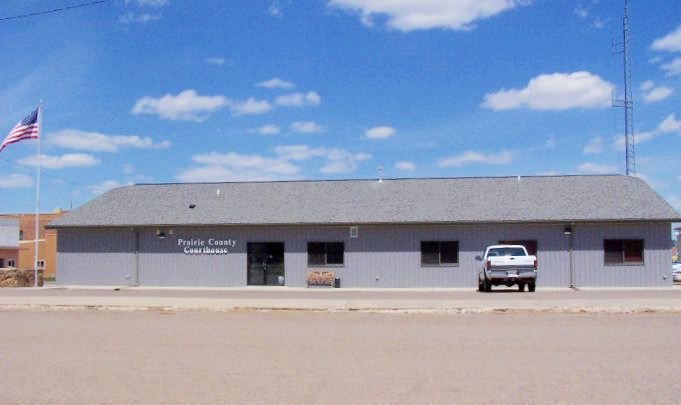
pixel 37 196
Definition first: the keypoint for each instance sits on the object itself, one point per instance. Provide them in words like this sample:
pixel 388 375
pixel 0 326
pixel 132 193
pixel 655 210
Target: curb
pixel 461 311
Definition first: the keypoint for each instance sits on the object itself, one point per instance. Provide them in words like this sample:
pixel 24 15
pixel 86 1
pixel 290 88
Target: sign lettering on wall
pixel 210 246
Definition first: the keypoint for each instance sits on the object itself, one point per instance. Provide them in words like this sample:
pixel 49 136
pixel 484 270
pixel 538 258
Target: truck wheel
pixel 481 287
pixel 531 287
pixel 521 287
pixel 488 286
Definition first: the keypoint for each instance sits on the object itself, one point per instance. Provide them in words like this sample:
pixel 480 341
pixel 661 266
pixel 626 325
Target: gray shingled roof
pixel 447 200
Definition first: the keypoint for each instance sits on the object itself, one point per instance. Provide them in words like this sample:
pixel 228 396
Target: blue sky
pixel 142 91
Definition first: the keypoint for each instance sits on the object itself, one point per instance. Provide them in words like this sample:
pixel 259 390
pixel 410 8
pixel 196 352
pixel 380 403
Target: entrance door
pixel 265 263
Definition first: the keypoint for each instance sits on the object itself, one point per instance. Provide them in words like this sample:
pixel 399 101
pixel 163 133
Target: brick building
pixel 47 241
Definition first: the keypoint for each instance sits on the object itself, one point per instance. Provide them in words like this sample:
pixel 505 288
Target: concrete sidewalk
pixel 667 300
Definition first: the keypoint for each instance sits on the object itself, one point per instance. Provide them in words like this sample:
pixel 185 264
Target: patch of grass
pixel 49 278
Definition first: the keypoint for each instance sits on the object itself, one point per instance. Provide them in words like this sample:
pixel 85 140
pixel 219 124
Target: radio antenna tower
pixel 628 102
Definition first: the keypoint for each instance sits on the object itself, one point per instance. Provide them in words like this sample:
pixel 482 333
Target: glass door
pixel 265 263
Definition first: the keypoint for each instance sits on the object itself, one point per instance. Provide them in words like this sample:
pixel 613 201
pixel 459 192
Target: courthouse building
pixel 585 230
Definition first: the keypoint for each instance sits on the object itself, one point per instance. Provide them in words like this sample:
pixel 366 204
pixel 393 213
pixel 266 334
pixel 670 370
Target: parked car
pixel 676 271
pixel 507 265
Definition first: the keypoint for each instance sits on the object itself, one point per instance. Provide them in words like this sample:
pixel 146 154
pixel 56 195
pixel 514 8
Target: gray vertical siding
pixel 590 269
pixel 382 255
pixel 99 257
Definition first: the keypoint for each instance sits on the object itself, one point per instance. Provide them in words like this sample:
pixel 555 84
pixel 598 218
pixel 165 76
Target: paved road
pixel 551 300
pixel 311 357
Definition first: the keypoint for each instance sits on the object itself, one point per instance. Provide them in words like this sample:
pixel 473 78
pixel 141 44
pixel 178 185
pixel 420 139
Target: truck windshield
pixel 507 251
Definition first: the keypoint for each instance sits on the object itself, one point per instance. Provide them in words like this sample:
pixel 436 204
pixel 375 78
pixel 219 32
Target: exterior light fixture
pixel 161 234
pixel 567 231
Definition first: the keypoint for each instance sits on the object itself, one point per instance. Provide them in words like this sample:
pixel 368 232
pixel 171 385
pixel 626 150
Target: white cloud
pixel 298 99
pixel 299 152
pixel 670 42
pixel 594 146
pixel 342 161
pixel 131 18
pixel 222 173
pixel 250 106
pixel 188 105
pixel 148 3
pixel 307 127
pixel 60 162
pixel 237 167
pixel 105 186
pixel 381 132
pixel 581 12
pixel 469 157
pixel 239 161
pixel 557 91
pixel 268 129
pixel 274 9
pixel 639 138
pixel 408 15
pixel 653 94
pixel 215 61
pixel 337 160
pixel 672 68
pixel 16 181
pixel 599 23
pixel 276 83
pixel 96 142
pixel 595 168
pixel 670 124
pixel 551 142
pixel 647 85
pixel 405 165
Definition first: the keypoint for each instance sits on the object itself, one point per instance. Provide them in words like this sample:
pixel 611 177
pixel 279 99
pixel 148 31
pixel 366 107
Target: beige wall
pixel 47 241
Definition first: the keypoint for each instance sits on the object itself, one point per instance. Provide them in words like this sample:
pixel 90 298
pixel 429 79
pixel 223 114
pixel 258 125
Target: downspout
pixel 136 278
pixel 570 249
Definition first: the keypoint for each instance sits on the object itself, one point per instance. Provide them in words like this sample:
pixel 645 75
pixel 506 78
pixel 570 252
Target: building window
pixel 10 263
pixel 439 253
pixel 21 234
pixel 41 264
pixel 530 245
pixel 325 253
pixel 623 251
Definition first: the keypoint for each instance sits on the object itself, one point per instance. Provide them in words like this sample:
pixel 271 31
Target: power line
pixel 22 166
pixel 56 10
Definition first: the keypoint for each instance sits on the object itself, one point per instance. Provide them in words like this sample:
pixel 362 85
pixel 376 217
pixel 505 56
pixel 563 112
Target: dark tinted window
pixel 436 253
pixel 325 253
pixel 430 253
pixel 620 251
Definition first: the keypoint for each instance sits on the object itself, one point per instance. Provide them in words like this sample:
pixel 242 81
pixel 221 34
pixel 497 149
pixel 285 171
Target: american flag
pixel 25 129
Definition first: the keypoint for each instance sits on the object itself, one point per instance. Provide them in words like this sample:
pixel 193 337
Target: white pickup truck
pixel 508 265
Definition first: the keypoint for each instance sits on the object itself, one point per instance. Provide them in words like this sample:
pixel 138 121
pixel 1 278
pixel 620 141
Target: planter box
pixel 320 278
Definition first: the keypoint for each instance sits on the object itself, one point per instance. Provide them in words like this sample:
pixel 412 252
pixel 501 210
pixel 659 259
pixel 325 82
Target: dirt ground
pixel 310 357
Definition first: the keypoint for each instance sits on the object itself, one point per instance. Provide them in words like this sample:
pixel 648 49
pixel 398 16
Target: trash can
pixel 336 282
